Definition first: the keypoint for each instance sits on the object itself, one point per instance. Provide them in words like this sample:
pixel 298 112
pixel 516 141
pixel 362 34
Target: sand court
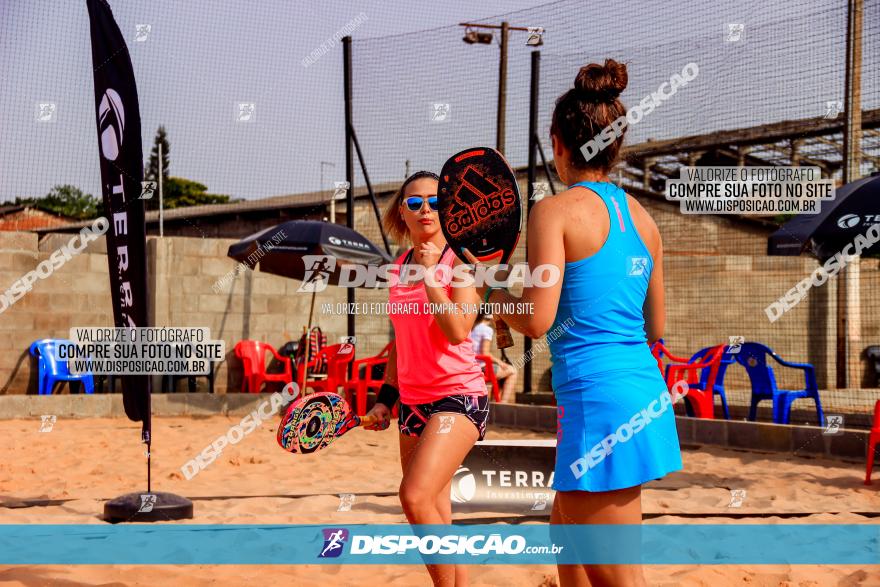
pixel 63 476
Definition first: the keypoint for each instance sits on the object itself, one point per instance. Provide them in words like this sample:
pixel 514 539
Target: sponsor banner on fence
pixel 506 476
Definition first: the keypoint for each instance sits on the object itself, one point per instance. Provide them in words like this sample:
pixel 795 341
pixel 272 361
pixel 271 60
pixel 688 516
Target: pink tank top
pixel 429 367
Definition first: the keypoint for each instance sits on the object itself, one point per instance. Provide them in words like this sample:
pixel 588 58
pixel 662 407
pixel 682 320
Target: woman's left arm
pixel 546 247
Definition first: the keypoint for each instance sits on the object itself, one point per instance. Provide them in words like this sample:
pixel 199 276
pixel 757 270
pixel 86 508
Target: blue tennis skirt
pixel 614 430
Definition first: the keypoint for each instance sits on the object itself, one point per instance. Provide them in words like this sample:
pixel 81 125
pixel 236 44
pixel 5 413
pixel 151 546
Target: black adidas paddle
pixel 480 210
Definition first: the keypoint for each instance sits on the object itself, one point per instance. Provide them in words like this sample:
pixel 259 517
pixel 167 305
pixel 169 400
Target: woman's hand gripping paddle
pixel 480 210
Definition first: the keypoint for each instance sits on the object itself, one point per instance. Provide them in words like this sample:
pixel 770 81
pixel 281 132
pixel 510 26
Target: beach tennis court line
pixel 737 515
pixel 29 503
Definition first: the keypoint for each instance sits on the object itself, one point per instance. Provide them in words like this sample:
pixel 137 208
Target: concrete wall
pixel 74 295
pixel 182 273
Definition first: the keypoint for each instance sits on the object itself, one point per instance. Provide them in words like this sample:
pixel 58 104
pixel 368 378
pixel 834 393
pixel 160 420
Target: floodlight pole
pixel 848 299
pixel 161 212
pixel 333 197
pixel 853 97
pixel 530 189
pixel 500 132
pixel 349 159
pixel 502 75
pixel 502 89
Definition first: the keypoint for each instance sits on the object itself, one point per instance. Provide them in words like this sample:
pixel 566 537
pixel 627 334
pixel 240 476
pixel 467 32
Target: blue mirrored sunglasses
pixel 414 203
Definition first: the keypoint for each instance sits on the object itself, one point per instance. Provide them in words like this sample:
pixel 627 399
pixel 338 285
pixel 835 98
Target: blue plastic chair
pixel 53 370
pixel 753 356
pixel 718 388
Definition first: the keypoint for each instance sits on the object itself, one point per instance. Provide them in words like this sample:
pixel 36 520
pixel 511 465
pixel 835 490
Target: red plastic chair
pixel 253 356
pixel 873 440
pixel 358 387
pixel 337 357
pixel 657 350
pixel 700 398
pixel 489 376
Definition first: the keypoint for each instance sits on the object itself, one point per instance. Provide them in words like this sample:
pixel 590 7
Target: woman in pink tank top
pixel 443 398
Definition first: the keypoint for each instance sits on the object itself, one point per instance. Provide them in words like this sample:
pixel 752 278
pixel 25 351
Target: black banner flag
pixel 122 171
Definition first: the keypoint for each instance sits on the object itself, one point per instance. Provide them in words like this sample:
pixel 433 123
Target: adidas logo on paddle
pixel 477 198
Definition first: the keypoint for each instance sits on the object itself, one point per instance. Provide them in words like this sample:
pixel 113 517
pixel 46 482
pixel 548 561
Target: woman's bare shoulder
pixel 565 200
pixel 644 222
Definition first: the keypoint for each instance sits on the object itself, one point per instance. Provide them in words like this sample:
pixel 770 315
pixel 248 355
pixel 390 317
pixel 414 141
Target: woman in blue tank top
pixel 616 426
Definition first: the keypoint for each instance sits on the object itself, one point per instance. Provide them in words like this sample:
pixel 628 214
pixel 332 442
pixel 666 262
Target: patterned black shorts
pixel 412 419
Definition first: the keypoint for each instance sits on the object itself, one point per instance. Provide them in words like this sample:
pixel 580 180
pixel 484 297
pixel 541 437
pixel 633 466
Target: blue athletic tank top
pixel 600 325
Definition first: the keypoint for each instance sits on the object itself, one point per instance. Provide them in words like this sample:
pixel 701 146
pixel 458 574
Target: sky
pixel 234 51
pixel 202 58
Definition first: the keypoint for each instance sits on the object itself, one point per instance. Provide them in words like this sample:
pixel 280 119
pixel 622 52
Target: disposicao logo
pixel 334 542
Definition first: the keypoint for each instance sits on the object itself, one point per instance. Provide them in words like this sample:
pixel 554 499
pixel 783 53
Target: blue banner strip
pixel 526 544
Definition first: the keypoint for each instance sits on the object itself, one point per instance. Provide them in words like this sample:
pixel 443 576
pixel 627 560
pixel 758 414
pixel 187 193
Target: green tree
pixel 783 218
pixel 66 200
pixel 179 193
pixel 151 172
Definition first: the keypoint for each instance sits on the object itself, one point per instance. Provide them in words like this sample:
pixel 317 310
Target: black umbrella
pixel 855 207
pixel 308 250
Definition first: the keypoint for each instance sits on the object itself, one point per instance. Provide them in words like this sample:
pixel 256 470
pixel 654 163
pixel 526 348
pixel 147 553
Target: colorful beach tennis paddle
pixel 313 422
pixel 480 209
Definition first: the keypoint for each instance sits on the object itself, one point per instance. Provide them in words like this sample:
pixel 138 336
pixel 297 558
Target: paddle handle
pixel 503 337
pixel 368 420
pixel 353 421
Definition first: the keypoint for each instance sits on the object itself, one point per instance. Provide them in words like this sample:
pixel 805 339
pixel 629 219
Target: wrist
pixel 491 289
pixel 388 395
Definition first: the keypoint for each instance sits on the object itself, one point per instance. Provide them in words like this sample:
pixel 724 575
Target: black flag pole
pixel 122 171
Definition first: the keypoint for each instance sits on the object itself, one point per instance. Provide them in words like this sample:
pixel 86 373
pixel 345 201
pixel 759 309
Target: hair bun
pixel 601 83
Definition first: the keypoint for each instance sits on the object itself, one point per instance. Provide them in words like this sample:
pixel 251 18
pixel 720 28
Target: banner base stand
pixel 157 506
